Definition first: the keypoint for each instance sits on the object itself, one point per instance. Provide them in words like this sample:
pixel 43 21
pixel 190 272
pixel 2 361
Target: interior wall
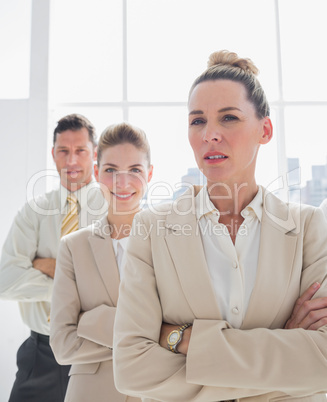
pixel 23 154
pixel 13 165
pixel 20 145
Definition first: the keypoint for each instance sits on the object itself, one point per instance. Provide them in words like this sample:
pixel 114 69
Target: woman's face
pixel 224 132
pixel 123 174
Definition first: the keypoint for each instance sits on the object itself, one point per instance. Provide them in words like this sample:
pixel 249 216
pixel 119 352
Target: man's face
pixel 73 154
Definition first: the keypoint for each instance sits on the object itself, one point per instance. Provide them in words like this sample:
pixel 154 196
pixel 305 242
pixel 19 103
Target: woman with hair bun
pixel 90 265
pixel 239 275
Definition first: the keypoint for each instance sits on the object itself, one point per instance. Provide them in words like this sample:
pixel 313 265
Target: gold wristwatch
pixel 175 337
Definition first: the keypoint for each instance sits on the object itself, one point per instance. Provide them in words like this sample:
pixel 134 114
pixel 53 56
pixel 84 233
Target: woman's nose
pixel 122 179
pixel 212 133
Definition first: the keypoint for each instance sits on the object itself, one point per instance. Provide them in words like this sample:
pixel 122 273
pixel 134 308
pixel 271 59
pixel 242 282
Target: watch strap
pixel 173 348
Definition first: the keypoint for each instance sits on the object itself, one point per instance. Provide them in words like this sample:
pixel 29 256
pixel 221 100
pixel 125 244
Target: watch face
pixel 173 337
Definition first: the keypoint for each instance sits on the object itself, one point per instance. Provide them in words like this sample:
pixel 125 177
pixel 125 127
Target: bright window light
pixel 15 29
pixel 135 60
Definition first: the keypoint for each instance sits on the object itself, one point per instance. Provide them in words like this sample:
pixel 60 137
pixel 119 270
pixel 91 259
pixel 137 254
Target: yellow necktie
pixel 70 221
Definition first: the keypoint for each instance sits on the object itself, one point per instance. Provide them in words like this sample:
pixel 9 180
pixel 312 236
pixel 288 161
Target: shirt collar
pixel 256 204
pixel 122 242
pixel 204 206
pixel 81 195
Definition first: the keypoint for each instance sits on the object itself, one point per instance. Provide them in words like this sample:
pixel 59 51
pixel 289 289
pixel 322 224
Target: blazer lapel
pixel 104 255
pixel 276 255
pixel 184 241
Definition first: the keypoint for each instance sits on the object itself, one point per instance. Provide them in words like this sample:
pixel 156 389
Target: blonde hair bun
pixel 224 57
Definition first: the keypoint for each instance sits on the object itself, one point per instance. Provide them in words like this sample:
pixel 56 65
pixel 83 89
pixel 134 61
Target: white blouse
pixel 119 249
pixel 232 268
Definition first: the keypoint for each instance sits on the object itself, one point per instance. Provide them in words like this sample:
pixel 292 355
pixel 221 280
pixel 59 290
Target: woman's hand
pixel 308 313
pixel 166 329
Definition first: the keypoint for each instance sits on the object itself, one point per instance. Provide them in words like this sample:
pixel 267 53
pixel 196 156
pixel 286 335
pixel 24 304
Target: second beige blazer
pixel 83 311
pixel 166 279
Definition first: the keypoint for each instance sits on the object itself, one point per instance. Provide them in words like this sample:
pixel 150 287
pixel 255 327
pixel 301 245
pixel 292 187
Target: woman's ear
pixel 267 131
pixel 150 173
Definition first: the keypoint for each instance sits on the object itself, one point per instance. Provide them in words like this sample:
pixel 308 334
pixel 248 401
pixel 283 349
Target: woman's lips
pixel 215 157
pixel 123 196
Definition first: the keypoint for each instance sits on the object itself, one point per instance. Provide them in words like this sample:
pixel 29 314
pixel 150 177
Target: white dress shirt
pixel 119 249
pixel 232 267
pixel 34 233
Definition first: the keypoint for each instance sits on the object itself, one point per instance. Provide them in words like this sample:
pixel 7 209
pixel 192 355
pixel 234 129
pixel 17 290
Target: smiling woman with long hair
pixel 239 275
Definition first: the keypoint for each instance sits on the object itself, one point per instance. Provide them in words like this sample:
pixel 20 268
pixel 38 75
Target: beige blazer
pixel 82 313
pixel 166 279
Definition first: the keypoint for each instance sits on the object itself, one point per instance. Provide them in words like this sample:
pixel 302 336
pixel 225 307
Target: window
pixel 135 60
pixel 86 51
pixel 15 26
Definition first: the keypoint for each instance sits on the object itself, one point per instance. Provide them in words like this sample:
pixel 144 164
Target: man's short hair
pixel 75 122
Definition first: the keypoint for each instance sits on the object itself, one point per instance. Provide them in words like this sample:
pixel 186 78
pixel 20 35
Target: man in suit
pixel 28 257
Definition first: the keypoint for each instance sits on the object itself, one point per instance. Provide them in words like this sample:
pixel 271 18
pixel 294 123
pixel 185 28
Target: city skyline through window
pixel 135 60
pixel 141 72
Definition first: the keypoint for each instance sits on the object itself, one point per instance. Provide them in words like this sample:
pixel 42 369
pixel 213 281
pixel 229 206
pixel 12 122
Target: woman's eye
pixel 110 170
pixel 136 170
pixel 230 117
pixel 197 122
